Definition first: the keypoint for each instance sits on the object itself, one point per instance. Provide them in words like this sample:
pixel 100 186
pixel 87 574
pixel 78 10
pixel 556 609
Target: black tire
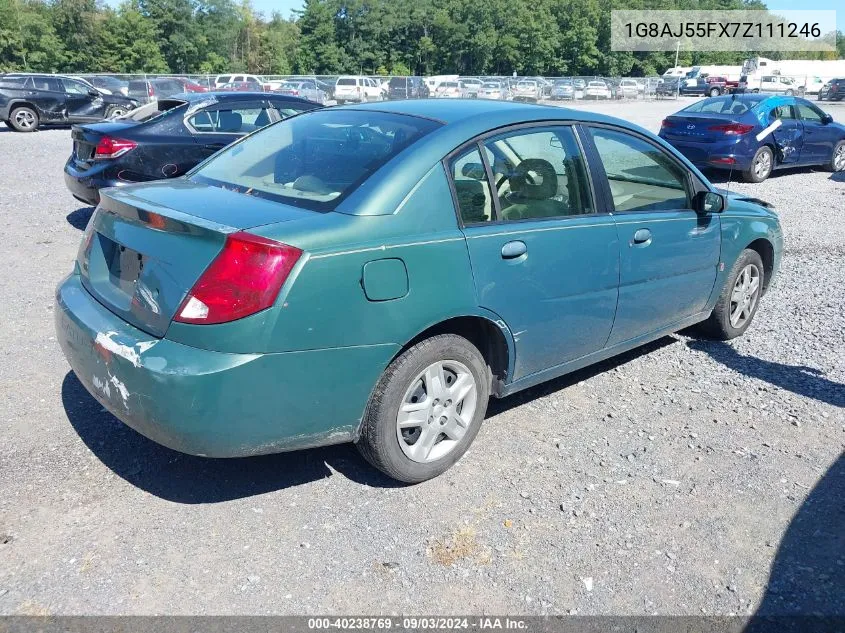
pixel 340 102
pixel 752 174
pixel 24 119
pixel 839 165
pixel 718 325
pixel 379 442
pixel 789 93
pixel 715 92
pixel 114 111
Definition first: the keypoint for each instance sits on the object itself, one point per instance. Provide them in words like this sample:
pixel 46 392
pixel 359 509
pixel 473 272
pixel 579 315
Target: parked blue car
pixel 756 134
pixel 374 273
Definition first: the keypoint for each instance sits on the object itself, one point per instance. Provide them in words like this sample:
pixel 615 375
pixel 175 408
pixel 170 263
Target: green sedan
pixel 374 273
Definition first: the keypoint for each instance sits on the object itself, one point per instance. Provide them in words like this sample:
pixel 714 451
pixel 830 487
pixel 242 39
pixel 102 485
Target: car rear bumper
pixel 85 185
pixel 210 403
pixel 713 156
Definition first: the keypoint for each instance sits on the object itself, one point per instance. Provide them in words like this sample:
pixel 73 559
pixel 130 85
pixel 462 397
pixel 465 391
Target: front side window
pixel 641 176
pixel 539 173
pixel 314 160
pixel 810 113
pixel 75 87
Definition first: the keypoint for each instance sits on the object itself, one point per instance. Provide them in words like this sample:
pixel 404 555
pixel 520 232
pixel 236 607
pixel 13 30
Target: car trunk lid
pixel 696 128
pixel 146 246
pixel 86 137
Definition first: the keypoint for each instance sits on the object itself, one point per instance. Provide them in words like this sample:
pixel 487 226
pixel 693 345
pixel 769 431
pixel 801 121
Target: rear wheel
pixel 761 165
pixel 426 409
pixel 739 300
pixel 24 119
pixel 837 160
pixel 715 92
pixel 789 93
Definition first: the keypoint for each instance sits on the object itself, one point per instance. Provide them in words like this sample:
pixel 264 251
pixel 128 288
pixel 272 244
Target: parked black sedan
pixel 28 101
pixel 167 138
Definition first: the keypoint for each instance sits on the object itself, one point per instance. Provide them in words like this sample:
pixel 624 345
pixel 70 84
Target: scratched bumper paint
pixel 210 403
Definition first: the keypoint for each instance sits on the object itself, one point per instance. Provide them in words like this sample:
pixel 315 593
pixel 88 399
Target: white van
pixel 357 89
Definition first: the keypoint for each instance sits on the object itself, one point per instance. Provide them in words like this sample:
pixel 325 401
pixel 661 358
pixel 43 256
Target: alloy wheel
pixel 839 158
pixel 745 294
pixel 436 411
pixel 763 165
pixel 24 118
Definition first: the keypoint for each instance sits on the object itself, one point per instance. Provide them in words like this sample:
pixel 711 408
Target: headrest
pixel 229 121
pixel 534 178
pixel 474 171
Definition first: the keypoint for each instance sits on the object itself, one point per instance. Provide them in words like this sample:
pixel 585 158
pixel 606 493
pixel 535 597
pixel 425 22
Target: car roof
pixel 224 95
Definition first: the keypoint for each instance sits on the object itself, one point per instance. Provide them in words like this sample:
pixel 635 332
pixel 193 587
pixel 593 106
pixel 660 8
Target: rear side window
pixel 641 176
pixel 314 160
pixel 539 173
pixel 230 121
pixel 12 82
pixel 723 105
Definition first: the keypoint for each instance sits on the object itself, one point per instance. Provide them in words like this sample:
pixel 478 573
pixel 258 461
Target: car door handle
pixel 642 236
pixel 514 249
pixel 215 146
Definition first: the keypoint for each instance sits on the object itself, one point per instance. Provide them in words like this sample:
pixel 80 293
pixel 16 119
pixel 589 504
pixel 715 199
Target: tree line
pixel 397 37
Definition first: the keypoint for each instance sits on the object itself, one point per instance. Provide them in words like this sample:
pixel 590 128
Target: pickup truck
pixel 720 85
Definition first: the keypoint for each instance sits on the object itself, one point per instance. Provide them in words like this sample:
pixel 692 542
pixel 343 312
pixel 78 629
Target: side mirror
pixel 710 202
pixel 93 93
pixel 827 118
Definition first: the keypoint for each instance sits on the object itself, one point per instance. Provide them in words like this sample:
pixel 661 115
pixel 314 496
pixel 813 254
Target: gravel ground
pixel 687 477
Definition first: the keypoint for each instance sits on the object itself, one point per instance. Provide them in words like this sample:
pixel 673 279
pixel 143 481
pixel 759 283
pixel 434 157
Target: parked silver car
pixel 304 88
pixel 527 90
pixel 494 90
pixel 563 89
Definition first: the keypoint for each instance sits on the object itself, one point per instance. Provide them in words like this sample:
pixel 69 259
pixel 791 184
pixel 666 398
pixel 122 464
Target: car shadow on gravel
pixel 838 176
pixel 799 379
pixel 498 406
pixel 79 219
pixel 723 177
pixel 183 478
pixel 806 584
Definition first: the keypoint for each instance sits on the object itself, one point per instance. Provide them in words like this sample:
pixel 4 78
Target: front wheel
pixel 761 165
pixel 115 112
pixel 740 298
pixel 426 409
pixel 837 160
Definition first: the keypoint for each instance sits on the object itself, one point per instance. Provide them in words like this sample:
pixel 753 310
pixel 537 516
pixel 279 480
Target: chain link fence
pixel 340 89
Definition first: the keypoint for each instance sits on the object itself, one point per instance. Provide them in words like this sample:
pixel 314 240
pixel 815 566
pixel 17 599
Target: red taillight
pixel 724 160
pixel 245 277
pixel 150 91
pixel 667 123
pixel 732 129
pixel 109 147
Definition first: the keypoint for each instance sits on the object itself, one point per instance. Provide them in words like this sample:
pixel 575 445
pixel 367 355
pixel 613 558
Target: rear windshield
pixel 724 105
pixel 314 160
pixel 347 81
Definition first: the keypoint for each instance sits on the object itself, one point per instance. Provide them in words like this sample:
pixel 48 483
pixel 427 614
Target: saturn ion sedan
pixel 374 273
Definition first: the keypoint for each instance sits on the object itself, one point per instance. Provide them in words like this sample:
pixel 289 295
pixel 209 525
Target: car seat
pixel 229 121
pixel 533 185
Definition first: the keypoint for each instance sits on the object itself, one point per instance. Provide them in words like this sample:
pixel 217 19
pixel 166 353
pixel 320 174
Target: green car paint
pixel 388 264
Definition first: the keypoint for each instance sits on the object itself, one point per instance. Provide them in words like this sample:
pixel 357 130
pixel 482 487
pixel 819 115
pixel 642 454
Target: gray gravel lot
pixel 688 477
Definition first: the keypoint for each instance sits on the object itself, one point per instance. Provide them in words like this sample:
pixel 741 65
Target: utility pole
pixel 678 83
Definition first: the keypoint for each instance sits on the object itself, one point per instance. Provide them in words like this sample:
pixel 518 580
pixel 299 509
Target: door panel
pixel 542 259
pixel 669 276
pixel 819 139
pixel 669 254
pixel 81 106
pixel 789 137
pixel 558 297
